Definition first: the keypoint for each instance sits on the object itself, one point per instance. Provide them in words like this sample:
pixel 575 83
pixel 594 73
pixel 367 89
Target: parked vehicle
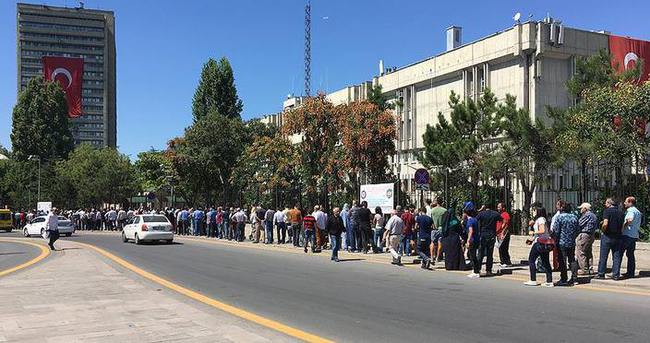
pixel 5 219
pixel 148 227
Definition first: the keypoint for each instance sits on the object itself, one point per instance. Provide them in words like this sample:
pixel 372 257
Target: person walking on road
pixel 585 239
pixel 503 236
pixel 393 234
pixel 335 228
pixel 52 228
pixel 631 230
pixel 565 232
pixel 610 240
pixel 540 248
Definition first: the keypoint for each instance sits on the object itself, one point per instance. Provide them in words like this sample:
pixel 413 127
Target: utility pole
pixel 308 48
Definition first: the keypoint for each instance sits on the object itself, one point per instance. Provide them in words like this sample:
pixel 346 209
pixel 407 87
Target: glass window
pixel 155 219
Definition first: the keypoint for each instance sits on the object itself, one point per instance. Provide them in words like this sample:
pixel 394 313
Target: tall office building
pixel 74 32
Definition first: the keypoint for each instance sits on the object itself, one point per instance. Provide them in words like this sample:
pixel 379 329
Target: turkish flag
pixel 626 53
pixel 68 71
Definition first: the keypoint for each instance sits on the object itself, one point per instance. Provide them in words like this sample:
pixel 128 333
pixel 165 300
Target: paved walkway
pixel 76 296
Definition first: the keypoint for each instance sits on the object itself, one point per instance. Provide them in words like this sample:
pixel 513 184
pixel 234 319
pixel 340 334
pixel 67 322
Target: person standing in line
pixel 356 232
pixel 365 217
pixel 610 240
pixel 226 222
pixel 198 221
pixel 487 223
pixel 218 218
pixel 424 224
pixel 240 218
pixel 585 240
pixel 111 219
pixel 503 236
pixel 295 218
pixel 566 230
pixel 121 218
pixel 258 223
pixel 393 233
pixel 631 229
pixel 471 236
pixel 335 228
pixel 52 227
pixel 321 222
pixel 210 220
pixel 309 225
pixel 539 248
pixel 407 233
pixel 556 251
pixel 378 230
pixel 436 212
pixel 269 216
pixel 345 216
pixel 280 220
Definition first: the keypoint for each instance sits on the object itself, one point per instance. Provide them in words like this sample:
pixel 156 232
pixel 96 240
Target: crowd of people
pixel 433 233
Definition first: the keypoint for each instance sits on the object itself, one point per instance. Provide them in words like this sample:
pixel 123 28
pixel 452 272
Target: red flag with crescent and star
pixel 68 72
pixel 626 53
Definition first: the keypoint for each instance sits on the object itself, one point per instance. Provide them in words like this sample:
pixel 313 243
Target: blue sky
pixel 161 46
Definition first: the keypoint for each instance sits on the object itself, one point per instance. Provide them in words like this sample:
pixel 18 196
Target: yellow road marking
pixel 44 253
pixel 269 323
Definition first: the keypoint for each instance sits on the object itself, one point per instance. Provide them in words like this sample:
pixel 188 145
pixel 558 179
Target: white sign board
pixel 44 206
pixel 381 194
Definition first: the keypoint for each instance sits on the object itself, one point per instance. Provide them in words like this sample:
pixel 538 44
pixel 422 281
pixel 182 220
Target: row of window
pixel 32 44
pixel 92 100
pixel 92 108
pixel 93 73
pixel 60 36
pixel 92 91
pixel 87 58
pixel 75 28
pixel 35 59
pixel 90 125
pixel 93 142
pixel 84 134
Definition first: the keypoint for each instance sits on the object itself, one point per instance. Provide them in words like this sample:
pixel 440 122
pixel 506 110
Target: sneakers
pixel 548 284
pixel 503 265
pixel 531 283
pixel 474 276
pixel 563 283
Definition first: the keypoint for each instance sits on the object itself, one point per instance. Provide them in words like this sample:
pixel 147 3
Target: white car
pixel 37 226
pixel 148 227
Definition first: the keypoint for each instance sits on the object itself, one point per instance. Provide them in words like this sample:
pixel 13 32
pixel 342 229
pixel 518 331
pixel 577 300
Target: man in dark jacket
pixel 365 218
pixel 335 228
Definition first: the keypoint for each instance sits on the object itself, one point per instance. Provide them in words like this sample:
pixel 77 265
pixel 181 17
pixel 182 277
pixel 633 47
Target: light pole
pixel 31 157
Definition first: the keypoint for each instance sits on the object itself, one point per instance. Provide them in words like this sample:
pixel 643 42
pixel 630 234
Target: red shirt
pixel 308 222
pixel 409 222
pixel 505 218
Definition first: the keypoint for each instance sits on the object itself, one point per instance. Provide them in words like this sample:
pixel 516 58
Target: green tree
pixel 455 145
pixel 376 96
pixel 204 157
pixel 153 169
pixel 40 122
pixel 216 91
pixel 255 129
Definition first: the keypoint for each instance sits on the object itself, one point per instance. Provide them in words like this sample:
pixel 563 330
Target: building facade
pixel 532 61
pixel 74 32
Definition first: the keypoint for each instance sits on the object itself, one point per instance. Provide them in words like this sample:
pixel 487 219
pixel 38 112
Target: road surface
pixel 14 254
pixel 359 301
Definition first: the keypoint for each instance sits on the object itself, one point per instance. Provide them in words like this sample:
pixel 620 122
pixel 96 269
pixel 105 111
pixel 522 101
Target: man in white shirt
pixel 52 227
pixel 280 220
pixel 240 218
pixel 321 221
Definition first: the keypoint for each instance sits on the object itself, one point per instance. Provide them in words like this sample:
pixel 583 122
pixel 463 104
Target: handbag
pixel 547 244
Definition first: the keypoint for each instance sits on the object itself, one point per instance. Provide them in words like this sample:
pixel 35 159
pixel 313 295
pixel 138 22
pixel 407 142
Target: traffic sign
pixel 422 177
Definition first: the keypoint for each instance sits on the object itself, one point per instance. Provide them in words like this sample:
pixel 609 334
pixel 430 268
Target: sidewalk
pixel 76 296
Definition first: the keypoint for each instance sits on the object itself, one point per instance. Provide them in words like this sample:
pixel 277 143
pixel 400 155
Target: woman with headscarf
pixel 451 241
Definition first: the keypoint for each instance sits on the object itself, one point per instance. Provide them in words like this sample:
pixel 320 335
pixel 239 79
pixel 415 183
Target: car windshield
pixel 5 216
pixel 155 219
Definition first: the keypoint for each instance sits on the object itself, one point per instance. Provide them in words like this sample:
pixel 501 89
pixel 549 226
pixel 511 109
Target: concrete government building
pixel 74 32
pixel 531 60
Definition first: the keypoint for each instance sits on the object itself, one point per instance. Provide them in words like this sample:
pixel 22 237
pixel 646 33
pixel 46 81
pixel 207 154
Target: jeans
pixel 628 245
pixel 269 232
pixel 350 239
pixel 537 251
pixel 195 227
pixel 472 254
pixel 335 241
pixel 376 239
pixel 405 246
pixel 425 242
pixel 608 244
pixel 295 228
pixel 282 232
pixel 310 237
pixel 504 254
pixel 566 255
pixel 212 229
pixel 239 232
pixel 358 242
pixel 486 249
pixel 365 238
pixel 225 233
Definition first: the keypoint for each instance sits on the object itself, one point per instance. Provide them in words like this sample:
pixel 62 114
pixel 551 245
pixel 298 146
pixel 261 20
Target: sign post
pixel 422 181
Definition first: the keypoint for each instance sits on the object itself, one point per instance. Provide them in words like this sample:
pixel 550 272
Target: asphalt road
pixel 13 254
pixel 360 301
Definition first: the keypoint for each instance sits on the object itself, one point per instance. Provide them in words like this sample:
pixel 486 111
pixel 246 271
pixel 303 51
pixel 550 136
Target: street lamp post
pixel 31 157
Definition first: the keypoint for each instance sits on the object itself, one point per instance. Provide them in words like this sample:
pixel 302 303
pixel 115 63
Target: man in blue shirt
pixel 184 221
pixel 211 220
pixel 566 230
pixel 198 221
pixel 631 230
pixel 424 223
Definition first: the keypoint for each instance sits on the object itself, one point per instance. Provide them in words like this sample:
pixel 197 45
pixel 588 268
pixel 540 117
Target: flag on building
pixel 68 72
pixel 626 53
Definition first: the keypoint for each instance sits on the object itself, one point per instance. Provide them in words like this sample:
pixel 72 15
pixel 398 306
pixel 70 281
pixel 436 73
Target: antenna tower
pixel 308 48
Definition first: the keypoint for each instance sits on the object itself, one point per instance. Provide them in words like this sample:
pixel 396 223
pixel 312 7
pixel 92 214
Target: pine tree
pixel 216 91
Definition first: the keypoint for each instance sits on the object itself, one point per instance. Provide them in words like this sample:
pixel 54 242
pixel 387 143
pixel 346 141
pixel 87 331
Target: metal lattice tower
pixel 308 48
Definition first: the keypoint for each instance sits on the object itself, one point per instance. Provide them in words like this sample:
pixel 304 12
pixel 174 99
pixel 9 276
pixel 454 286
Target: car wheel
pixel 124 239
pixel 169 241
pixel 25 232
pixel 68 234
pixel 8 230
pixel 137 240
